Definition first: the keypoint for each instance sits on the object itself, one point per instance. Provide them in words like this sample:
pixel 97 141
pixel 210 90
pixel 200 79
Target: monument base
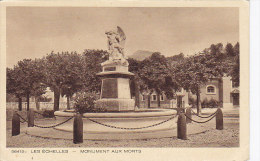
pixel 116 104
pixel 115 88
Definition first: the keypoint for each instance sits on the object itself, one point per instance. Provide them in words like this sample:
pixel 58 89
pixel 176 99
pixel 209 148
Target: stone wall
pixel 43 105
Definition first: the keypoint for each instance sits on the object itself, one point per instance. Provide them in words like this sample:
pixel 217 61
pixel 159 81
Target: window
pixel 161 98
pixel 211 90
pixel 154 97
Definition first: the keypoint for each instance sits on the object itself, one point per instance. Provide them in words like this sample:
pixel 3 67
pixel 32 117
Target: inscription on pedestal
pixel 109 88
pixel 110 69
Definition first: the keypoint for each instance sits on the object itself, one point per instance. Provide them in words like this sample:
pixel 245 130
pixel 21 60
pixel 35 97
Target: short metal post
pixel 188 115
pixel 181 127
pixel 78 129
pixel 30 118
pixel 180 110
pixel 15 124
pixel 219 119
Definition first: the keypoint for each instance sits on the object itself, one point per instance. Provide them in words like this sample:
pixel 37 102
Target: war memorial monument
pixel 121 117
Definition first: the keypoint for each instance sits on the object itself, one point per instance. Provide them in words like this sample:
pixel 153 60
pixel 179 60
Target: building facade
pixel 219 89
pixel 180 99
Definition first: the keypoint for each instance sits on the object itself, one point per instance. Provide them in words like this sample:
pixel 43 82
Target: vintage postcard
pixel 124 80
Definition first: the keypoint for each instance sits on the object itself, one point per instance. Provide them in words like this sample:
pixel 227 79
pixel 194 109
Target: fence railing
pixel 183 119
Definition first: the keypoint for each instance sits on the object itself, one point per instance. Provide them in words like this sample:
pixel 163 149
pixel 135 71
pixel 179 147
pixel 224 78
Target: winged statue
pixel 116 43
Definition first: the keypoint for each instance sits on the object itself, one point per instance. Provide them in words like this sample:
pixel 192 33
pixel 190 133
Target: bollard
pixel 180 110
pixel 15 124
pixel 30 118
pixel 78 129
pixel 188 114
pixel 219 119
pixel 181 127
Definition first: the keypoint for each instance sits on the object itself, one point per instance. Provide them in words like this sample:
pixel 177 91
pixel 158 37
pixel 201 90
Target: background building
pixel 221 90
pixel 218 89
pixel 180 99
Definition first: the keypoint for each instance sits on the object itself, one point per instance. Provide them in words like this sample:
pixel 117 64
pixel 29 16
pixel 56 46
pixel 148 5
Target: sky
pixel 33 32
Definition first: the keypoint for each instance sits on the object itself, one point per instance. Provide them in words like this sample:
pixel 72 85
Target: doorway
pixel 235 99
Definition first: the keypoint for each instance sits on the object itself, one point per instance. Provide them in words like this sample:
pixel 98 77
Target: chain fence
pixel 78 132
pixel 24 120
pixel 203 116
pixel 54 125
pixel 200 122
pixel 39 126
pixel 124 128
pixel 134 128
pixel 38 113
pixel 111 126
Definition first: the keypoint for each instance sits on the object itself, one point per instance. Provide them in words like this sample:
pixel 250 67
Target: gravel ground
pixel 229 137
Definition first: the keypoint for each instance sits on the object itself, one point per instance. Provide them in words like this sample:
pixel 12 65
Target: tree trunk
pixel 20 103
pixel 137 93
pixel 68 102
pixel 158 100
pixel 149 102
pixel 37 104
pixel 56 99
pixel 28 100
pixel 198 103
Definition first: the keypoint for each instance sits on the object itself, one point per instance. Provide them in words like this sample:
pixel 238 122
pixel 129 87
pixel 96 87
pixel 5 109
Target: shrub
pixel 204 103
pixel 85 102
pixel 212 103
pixel 48 113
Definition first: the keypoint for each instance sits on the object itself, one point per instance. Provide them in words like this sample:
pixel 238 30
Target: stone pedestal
pixel 115 89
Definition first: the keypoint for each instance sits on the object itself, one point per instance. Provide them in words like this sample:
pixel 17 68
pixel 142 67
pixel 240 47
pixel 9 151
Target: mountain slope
pixel 140 54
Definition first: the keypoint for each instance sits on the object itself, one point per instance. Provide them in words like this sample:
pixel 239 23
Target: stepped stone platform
pixel 52 133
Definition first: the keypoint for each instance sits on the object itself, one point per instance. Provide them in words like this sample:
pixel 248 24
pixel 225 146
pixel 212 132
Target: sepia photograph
pixel 123 77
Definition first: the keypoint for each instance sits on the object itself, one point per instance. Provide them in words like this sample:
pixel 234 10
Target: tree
pixel 92 60
pixel 72 78
pixel 235 72
pixel 216 49
pixel 232 62
pixel 193 72
pixel 39 86
pixel 38 90
pixel 68 73
pixel 32 76
pixel 25 68
pixel 63 74
pixel 54 66
pixel 25 80
pixel 135 82
pixel 152 72
pixel 230 50
pixel 12 85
